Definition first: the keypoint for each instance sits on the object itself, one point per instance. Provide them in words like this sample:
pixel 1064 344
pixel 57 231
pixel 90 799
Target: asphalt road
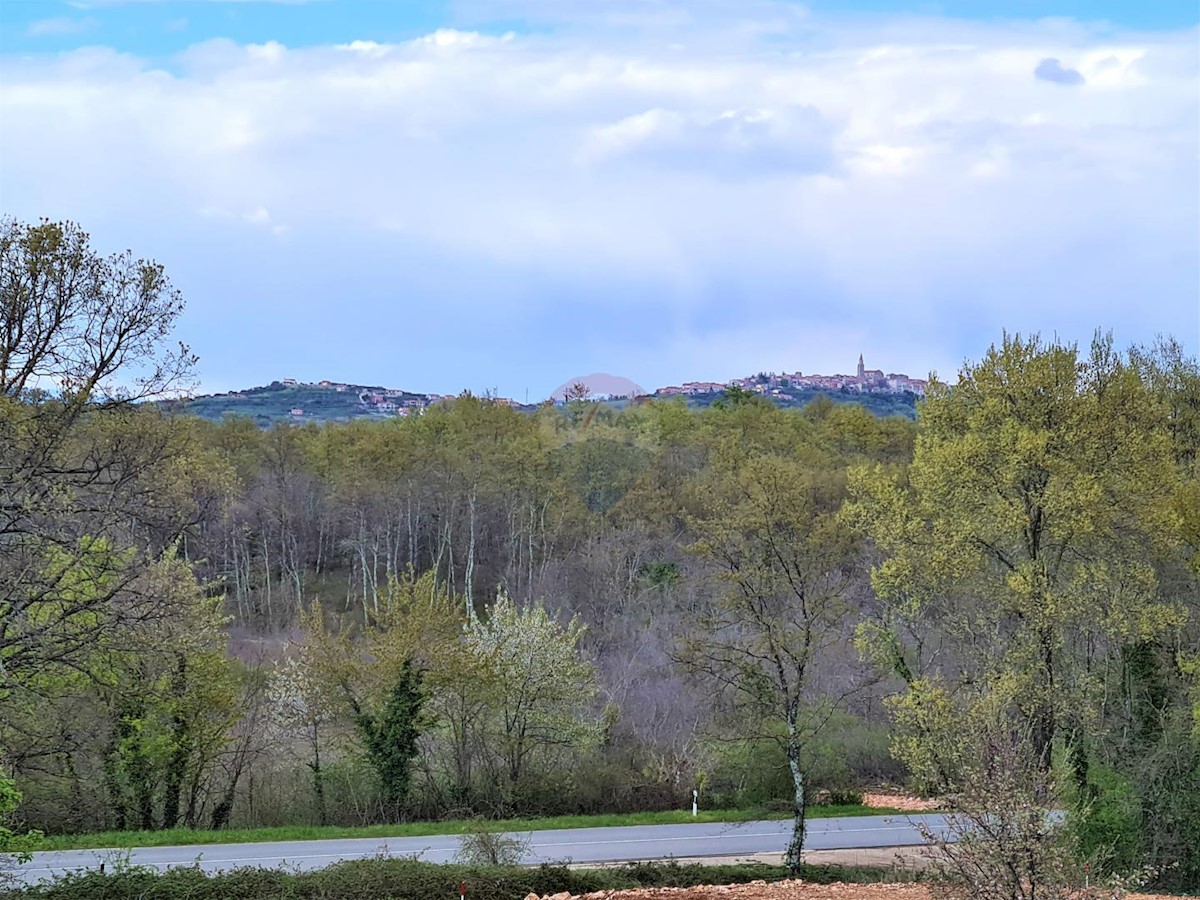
pixel 577 845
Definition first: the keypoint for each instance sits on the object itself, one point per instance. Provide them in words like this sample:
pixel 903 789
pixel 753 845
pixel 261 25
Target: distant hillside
pixel 337 402
pixel 902 404
pixel 305 402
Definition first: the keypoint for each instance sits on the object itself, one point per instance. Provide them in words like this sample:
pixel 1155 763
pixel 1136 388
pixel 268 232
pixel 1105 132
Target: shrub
pixel 840 797
pixel 407 879
pixel 847 753
pixel 1107 821
pixel 486 845
pixel 15 848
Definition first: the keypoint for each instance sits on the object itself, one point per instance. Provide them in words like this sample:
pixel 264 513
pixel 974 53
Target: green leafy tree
pixel 94 493
pixel 81 337
pixel 734 395
pixel 1023 558
pixel 376 676
pixel 15 848
pixel 785 564
pixel 1021 528
pixel 173 695
pixel 390 735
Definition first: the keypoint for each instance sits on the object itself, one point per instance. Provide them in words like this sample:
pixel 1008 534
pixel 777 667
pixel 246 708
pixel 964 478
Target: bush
pixel 1144 810
pixel 1168 782
pixel 748 774
pixel 849 752
pixel 487 845
pixel 15 848
pixel 840 797
pixel 1108 821
pixel 406 879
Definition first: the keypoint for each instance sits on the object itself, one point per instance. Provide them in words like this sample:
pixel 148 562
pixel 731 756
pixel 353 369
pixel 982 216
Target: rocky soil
pixel 782 890
pixel 884 800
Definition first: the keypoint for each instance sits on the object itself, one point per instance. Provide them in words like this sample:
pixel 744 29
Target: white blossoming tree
pixel 540 688
pixel 300 705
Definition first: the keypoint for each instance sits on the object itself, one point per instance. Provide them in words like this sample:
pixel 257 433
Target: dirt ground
pixel 918 857
pixel 884 799
pixel 760 890
pixel 882 857
pixel 782 890
pixel 897 858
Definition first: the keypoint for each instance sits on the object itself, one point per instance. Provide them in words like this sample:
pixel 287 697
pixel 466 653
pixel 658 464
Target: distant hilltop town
pixel 300 401
pixel 866 381
pixel 781 386
pixel 385 401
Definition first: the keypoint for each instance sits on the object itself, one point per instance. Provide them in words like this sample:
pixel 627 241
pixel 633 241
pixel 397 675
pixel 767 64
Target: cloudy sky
pixel 501 194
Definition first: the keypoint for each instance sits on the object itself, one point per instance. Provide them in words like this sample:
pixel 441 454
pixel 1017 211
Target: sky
pixel 500 195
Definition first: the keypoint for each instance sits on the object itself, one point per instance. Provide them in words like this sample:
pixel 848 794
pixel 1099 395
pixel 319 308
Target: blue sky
pixel 502 194
pixel 155 27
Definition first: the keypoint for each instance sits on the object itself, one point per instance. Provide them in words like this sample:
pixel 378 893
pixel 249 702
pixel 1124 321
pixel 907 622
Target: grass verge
pixel 184 837
pixel 392 879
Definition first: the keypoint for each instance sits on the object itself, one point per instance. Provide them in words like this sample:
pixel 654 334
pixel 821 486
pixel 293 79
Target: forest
pixel 484 612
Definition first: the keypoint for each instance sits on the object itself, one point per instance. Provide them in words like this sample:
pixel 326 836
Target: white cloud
pixel 749 142
pixel 59 26
pixel 366 48
pixel 258 217
pixel 911 170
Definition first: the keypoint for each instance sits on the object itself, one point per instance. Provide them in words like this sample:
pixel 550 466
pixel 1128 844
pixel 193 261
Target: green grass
pixel 180 837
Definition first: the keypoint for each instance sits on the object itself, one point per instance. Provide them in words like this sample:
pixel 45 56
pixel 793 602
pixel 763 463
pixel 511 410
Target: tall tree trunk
pixel 140 770
pixel 795 848
pixel 529 550
pixel 224 809
pixel 191 815
pixel 318 777
pixel 181 752
pixel 267 574
pixel 412 536
pixel 1044 718
pixel 112 784
pixel 320 545
pixel 437 559
pixel 470 570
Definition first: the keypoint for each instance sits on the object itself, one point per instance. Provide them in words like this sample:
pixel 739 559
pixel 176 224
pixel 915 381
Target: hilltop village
pixel 390 401
pixel 866 381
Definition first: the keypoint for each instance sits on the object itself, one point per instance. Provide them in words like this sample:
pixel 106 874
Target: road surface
pixel 576 845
